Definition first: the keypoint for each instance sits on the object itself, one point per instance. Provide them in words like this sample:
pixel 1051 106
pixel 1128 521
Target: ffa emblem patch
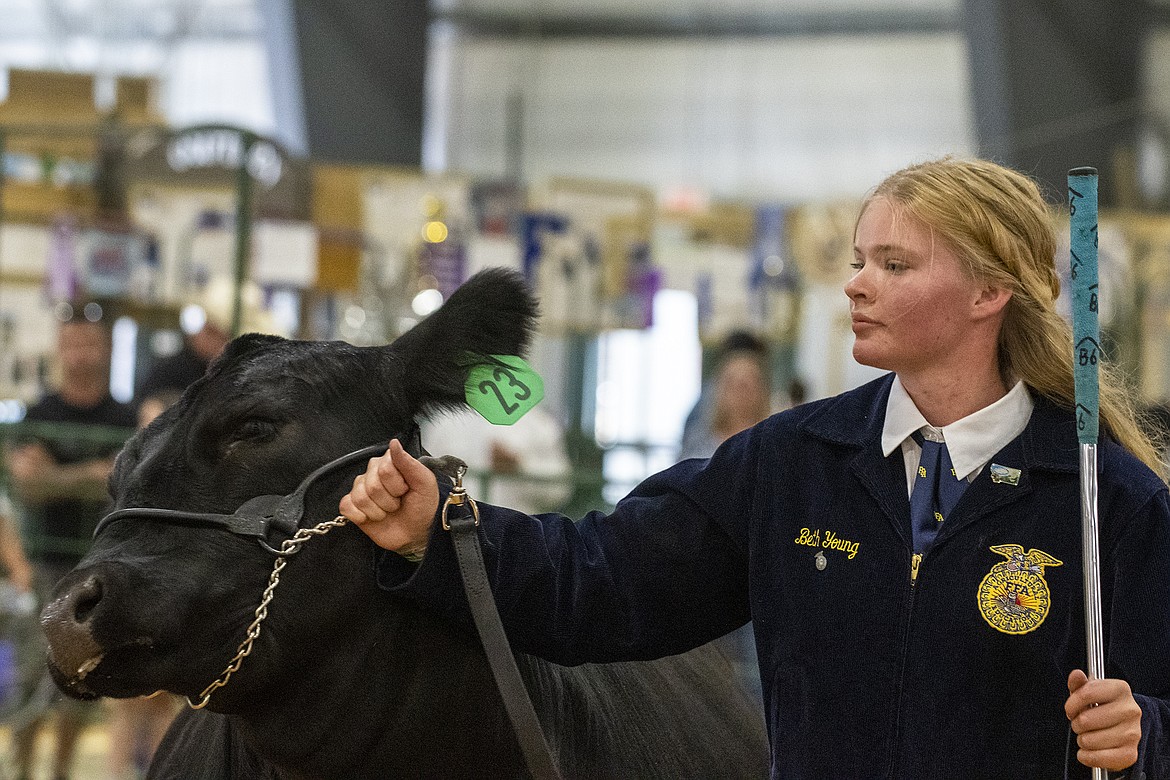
pixel 1013 597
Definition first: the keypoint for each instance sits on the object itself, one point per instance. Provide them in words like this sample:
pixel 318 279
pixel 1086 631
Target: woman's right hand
pixel 394 501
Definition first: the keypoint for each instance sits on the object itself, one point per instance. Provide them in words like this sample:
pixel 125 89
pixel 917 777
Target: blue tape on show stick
pixel 1082 209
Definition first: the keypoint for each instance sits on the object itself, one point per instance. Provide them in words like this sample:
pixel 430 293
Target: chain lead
pixel 288 548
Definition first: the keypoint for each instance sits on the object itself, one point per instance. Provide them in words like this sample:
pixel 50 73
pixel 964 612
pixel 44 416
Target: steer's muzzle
pixel 67 623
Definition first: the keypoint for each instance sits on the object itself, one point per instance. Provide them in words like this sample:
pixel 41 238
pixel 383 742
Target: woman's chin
pixel 872 358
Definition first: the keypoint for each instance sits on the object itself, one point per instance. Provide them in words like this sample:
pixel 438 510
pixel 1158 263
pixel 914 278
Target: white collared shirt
pixel 971 441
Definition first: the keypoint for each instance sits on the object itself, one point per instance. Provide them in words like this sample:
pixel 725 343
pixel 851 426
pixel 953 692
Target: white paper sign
pixel 284 253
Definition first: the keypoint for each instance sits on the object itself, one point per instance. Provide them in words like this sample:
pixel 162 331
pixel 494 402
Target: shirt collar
pixel 971 441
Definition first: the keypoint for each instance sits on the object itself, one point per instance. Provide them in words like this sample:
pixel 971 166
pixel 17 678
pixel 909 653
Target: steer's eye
pixel 251 431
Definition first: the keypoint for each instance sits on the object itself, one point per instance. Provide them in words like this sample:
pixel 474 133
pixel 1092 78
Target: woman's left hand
pixel 1106 719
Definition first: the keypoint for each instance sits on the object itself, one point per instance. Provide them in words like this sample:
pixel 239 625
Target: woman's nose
pixel 857 286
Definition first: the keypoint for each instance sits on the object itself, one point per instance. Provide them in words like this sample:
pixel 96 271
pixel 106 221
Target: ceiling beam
pixel 481 23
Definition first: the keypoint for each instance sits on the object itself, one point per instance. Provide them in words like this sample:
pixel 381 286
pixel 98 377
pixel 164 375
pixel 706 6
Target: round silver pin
pixel 821 561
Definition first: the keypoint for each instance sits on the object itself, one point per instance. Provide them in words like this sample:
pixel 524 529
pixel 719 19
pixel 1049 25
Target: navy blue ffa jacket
pixel 871 667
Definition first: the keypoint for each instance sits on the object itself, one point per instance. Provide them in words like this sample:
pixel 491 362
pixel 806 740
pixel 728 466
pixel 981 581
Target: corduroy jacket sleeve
pixel 664 572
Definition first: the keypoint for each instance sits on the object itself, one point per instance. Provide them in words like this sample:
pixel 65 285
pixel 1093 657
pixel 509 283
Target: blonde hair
pixel 999 225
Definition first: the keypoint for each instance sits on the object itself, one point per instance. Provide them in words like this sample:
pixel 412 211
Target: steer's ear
pixel 492 313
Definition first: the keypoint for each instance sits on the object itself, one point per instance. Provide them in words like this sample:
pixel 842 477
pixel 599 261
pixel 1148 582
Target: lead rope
pixel 518 705
pixel 288 547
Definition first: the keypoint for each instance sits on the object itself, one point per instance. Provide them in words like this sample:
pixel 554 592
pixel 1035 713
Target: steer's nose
pixel 67 623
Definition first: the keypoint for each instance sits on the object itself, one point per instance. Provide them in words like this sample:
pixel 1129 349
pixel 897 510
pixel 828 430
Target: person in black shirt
pixel 13 560
pixel 173 374
pixel 61 483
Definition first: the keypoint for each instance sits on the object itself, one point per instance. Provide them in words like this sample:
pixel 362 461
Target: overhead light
pixel 426 302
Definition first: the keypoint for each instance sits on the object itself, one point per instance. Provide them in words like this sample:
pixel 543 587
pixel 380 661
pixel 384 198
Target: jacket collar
pixel 855 419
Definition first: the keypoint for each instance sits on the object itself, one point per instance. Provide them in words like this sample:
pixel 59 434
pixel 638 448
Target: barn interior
pixel 664 173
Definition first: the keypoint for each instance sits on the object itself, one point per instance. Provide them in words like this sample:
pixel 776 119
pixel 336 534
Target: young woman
pixel 893 641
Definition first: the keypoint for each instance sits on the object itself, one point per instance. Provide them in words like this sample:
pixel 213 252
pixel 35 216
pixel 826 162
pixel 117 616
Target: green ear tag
pixel 504 395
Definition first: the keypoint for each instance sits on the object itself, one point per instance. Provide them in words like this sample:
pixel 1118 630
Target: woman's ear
pixel 991 301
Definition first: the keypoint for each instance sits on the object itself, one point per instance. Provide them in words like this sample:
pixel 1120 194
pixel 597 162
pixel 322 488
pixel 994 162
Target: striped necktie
pixel 935 493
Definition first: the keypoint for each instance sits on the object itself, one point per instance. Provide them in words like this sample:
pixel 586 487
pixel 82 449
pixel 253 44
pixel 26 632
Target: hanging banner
pixel 210 156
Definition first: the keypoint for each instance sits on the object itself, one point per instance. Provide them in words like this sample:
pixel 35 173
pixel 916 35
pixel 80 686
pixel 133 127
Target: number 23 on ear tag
pixel 503 394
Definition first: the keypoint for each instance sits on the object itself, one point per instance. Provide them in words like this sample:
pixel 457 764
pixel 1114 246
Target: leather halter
pixel 258 517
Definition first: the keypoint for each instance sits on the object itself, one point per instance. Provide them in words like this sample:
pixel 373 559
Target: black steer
pixel 345 680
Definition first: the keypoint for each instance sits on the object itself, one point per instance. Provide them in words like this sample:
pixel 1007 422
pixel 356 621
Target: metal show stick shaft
pixel 1082 206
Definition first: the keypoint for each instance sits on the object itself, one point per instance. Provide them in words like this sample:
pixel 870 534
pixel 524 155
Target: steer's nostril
pixel 86 598
pixel 67 621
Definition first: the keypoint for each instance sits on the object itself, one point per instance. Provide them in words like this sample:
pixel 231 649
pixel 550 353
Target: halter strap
pixel 257 516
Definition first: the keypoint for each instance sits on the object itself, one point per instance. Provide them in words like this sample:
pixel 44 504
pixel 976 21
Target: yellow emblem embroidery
pixel 1013 597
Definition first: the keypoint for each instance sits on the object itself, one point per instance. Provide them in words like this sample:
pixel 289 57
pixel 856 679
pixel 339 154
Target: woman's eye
pixel 857 265
pixel 895 266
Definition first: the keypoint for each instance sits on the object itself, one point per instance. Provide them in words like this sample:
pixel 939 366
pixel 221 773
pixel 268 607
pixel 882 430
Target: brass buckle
pixel 458 497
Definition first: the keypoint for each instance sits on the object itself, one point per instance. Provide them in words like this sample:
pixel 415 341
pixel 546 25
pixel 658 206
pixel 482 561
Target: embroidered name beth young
pixel 811 537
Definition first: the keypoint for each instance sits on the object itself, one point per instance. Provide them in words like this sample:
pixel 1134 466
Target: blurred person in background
pixel 698 427
pixel 526 463
pixel 19 627
pixel 153 405
pixel 211 330
pixel 13 559
pixel 797 393
pixel 740 396
pixel 17 603
pixel 136 726
pixel 60 482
